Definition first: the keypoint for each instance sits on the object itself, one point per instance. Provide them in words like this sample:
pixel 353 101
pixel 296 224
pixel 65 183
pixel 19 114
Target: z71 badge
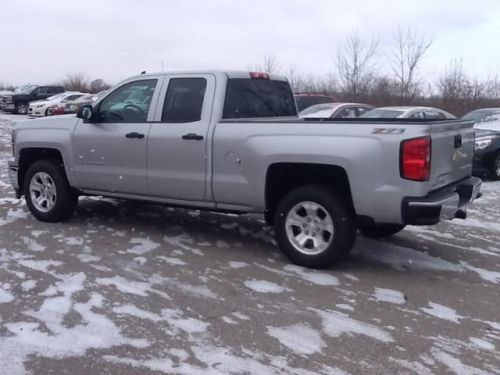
pixel 394 131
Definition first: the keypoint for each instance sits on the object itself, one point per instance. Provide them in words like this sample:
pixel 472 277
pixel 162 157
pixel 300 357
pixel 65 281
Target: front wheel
pixel 495 170
pixel 314 226
pixel 380 230
pixel 48 193
pixel 21 108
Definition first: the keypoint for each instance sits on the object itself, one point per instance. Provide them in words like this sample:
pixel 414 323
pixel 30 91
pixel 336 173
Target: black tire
pixel 21 108
pixel 340 213
pixel 46 112
pixel 65 198
pixel 495 169
pixel 380 230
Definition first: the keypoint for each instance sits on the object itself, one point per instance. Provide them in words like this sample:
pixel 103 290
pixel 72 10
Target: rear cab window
pixel 258 98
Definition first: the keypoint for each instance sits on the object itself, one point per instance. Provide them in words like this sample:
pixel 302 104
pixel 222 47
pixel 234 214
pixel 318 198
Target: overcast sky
pixel 42 41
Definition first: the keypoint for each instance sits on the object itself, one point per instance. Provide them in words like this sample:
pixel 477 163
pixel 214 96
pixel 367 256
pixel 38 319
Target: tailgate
pixel 452 152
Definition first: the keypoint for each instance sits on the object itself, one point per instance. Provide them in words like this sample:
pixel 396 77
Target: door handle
pixel 457 141
pixel 192 137
pixel 134 135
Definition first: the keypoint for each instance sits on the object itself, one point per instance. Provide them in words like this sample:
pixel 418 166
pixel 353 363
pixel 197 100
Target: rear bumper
pixel 443 204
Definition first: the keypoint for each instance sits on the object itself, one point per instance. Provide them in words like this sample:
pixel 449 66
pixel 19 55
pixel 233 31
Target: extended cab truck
pixel 231 141
pixel 19 102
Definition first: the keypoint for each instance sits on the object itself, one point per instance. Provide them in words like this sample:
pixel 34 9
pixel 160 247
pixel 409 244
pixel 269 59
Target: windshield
pixel 480 115
pixel 488 121
pixel 382 113
pixel 319 111
pixel 29 89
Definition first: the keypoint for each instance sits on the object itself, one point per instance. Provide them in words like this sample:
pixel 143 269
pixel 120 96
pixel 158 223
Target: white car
pixel 335 110
pixel 40 108
pixel 419 113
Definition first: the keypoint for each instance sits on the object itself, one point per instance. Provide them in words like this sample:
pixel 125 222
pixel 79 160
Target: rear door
pixel 178 141
pixel 110 152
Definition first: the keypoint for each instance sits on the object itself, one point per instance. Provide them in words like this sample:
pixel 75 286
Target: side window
pixel 434 115
pixel 362 110
pixel 417 115
pixel 184 100
pixel 72 97
pixel 43 91
pixel 349 112
pixel 128 103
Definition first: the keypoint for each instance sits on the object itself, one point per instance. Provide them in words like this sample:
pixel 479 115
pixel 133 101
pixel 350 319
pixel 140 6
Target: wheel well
pixel 283 177
pixel 30 155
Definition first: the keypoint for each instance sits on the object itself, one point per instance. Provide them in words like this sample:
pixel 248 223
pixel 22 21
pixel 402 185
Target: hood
pixel 481 133
pixel 52 122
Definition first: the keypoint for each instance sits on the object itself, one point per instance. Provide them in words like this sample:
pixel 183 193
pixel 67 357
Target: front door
pixel 178 141
pixel 110 150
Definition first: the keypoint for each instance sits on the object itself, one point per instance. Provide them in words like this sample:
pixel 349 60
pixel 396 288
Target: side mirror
pixel 86 113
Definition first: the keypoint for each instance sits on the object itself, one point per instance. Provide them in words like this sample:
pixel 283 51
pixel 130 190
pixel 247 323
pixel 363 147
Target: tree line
pixel 361 74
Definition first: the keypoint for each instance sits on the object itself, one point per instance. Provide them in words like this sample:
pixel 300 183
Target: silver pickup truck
pixel 231 141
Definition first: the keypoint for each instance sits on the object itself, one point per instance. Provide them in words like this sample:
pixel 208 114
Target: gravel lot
pixel 131 288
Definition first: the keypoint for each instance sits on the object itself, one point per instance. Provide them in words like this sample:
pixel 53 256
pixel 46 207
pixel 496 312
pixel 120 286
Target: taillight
pixel 259 75
pixel 416 159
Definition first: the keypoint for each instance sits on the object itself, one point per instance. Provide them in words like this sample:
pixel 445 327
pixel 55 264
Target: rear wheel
pixel 21 108
pixel 380 230
pixel 48 193
pixel 314 226
pixel 495 169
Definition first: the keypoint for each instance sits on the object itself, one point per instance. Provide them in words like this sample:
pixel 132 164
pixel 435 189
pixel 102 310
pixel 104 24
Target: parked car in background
pixel 485 118
pixel 8 93
pixel 73 106
pixel 19 102
pixel 335 110
pixel 40 108
pixel 304 100
pixel 487 148
pixel 419 113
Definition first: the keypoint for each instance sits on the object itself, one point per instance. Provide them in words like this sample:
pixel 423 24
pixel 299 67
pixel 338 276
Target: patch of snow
pixel 314 277
pixel 5 296
pixel 336 324
pixel 442 312
pixel 401 258
pixel 491 276
pixel 228 320
pixel 344 306
pixel 263 286
pixel 173 261
pixel 32 245
pixel 28 284
pixel 482 344
pixel 143 246
pixel 390 296
pixel 300 338
pixel 126 286
pixel 236 264
pixel 455 365
pixel 40 265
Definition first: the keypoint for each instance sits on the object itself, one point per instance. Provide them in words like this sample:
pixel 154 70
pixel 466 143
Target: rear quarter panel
pixel 370 160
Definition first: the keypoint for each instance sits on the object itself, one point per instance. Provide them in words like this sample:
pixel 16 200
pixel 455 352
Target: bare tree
pixel 408 51
pixel 355 65
pixel 268 64
pixel 76 82
pixel 98 85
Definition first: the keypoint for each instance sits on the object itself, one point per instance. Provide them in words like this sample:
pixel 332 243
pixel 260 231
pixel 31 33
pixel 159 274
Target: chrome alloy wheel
pixel 43 192
pixel 309 228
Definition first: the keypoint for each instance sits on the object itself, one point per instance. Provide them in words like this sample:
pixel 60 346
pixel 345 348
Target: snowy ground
pixel 132 288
